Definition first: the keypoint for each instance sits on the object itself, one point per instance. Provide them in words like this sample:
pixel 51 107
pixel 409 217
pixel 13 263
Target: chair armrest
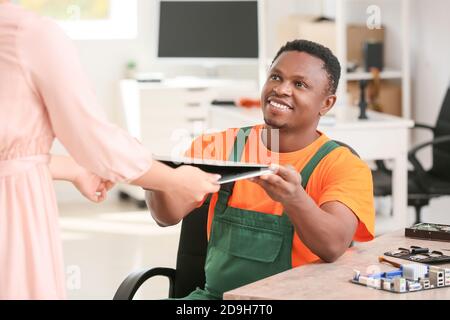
pixel 423 126
pixel 380 164
pixel 415 162
pixel 131 284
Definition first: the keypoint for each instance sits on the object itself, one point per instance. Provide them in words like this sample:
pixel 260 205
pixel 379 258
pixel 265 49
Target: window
pixel 90 19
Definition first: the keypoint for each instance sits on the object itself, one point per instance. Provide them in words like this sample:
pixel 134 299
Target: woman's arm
pixel 51 63
pixel 64 168
pixel 90 185
pixel 173 193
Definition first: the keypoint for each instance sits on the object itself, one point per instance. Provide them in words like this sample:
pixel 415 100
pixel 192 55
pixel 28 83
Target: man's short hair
pixel 330 62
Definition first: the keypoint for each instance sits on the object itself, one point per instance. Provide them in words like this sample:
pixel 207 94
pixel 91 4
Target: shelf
pixel 362 75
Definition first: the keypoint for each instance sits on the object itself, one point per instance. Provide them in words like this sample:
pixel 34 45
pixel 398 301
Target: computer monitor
pixel 208 32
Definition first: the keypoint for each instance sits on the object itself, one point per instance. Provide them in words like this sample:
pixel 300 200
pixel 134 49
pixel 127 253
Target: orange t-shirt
pixel 340 176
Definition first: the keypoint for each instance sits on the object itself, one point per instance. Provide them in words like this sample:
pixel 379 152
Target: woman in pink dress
pixel 44 94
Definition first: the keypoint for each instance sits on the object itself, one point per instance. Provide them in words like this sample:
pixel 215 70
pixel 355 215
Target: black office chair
pixel 189 273
pixel 423 185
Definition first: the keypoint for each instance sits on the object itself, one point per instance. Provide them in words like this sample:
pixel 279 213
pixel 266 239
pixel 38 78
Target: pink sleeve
pixel 51 62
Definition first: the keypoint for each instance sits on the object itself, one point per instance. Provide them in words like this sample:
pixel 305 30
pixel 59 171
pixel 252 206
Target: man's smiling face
pixel 295 92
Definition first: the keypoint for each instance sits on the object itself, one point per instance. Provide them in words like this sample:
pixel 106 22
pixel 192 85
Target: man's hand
pixel 327 230
pixel 284 185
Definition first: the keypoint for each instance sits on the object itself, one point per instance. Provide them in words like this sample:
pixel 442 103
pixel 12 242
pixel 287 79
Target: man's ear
pixel 327 104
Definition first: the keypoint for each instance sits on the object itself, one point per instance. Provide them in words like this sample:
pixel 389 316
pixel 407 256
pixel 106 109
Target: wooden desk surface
pixel 331 280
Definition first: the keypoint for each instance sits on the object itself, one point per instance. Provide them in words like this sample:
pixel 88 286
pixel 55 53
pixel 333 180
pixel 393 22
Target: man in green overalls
pixel 319 199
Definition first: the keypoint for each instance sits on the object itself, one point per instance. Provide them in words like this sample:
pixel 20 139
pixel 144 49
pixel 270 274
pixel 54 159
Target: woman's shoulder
pixel 31 24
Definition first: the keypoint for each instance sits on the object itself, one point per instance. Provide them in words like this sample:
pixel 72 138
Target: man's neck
pixel 289 141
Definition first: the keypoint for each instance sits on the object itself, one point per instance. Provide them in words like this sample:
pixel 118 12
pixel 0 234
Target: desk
pixel 382 136
pixel 331 280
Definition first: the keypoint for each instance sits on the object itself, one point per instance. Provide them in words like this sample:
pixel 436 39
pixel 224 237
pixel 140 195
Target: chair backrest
pixel 192 249
pixel 441 152
pixel 191 254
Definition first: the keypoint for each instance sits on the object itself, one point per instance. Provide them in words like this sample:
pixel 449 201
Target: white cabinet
pixel 159 114
pixel 163 116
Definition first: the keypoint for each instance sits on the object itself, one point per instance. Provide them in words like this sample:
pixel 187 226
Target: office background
pixel 103 243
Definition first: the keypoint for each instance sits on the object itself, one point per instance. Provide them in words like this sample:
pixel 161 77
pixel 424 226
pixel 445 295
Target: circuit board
pixel 408 278
pixel 429 231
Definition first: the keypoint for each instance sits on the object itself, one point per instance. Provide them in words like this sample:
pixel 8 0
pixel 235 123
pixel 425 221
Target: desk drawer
pixel 154 130
pixel 165 97
pixel 175 111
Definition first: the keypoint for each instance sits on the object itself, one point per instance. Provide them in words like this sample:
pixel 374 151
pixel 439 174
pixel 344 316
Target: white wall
pixel 276 10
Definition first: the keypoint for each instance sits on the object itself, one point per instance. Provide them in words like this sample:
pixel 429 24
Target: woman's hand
pixel 89 184
pixel 188 189
pixel 92 186
pixel 173 193
pixel 193 184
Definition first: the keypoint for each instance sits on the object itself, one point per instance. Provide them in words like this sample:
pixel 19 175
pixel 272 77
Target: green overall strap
pixel 235 156
pixel 239 144
pixel 325 149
